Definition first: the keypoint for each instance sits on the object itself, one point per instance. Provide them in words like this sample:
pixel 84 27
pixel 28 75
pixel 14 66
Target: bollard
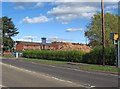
pixel 16 54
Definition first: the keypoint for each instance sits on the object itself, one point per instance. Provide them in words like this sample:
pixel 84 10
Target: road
pixel 17 73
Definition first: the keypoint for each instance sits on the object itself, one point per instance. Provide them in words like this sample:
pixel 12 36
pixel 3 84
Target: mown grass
pixel 8 56
pixel 100 68
pixel 43 61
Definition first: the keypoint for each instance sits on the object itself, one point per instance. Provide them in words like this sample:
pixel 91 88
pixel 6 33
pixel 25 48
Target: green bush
pixel 71 56
pixel 95 56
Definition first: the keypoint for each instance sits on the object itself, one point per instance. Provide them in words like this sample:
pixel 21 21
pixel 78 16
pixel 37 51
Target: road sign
pixel 114 37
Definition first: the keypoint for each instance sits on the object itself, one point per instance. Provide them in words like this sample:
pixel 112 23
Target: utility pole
pixel 103 33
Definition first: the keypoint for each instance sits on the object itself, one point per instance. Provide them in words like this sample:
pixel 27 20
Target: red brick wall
pixel 19 47
pixel 31 47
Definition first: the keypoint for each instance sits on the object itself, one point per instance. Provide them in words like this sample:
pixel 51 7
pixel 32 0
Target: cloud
pixel 73 29
pixel 30 37
pixel 55 38
pixel 59 0
pixel 111 7
pixel 34 20
pixel 19 7
pixel 39 5
pixel 21 39
pixel 29 0
pixel 64 12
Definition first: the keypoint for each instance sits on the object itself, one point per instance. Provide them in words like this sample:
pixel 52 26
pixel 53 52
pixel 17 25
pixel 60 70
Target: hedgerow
pixel 93 57
pixel 71 56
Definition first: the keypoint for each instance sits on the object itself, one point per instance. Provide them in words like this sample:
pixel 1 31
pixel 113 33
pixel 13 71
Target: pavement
pixel 21 73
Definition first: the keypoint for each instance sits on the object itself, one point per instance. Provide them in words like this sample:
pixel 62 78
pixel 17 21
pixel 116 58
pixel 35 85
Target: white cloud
pixel 39 5
pixel 73 29
pixel 59 0
pixel 111 7
pixel 55 38
pixel 28 0
pixel 39 19
pixel 19 7
pixel 28 40
pixel 64 12
pixel 30 37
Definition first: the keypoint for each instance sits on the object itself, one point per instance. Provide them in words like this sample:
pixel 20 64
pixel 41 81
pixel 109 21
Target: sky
pixel 57 21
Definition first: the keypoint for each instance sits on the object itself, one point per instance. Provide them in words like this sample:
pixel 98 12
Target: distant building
pixel 21 46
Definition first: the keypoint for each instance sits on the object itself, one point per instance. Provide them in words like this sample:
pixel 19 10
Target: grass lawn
pixel 100 68
pixel 45 61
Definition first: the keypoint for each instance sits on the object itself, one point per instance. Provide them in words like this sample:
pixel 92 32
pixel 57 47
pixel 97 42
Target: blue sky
pixel 58 21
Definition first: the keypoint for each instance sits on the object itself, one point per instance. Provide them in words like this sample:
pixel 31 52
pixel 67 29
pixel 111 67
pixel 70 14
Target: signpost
pixel 115 38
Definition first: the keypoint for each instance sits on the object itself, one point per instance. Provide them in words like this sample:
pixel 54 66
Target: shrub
pixel 95 56
pixel 71 56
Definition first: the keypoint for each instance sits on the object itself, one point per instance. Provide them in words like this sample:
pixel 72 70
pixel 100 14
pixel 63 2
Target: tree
pixel 8 31
pixel 94 32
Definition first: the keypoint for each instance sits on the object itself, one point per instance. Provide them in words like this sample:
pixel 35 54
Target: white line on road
pixel 90 72
pixel 1 86
pixel 42 74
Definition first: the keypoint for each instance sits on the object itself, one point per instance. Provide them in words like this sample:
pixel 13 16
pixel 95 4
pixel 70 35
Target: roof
pixel 35 43
pixel 29 43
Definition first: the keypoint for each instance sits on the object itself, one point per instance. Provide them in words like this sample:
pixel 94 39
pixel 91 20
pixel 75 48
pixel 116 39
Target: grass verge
pixel 100 68
pixel 8 56
pixel 45 61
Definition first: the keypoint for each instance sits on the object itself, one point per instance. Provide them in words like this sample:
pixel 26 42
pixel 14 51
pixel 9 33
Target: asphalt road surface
pixel 17 73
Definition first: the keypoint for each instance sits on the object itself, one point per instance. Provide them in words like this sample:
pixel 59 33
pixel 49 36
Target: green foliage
pixel 71 56
pixel 95 56
pixel 8 30
pixel 94 32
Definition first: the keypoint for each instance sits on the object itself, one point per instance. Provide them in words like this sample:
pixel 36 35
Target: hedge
pixel 95 56
pixel 71 56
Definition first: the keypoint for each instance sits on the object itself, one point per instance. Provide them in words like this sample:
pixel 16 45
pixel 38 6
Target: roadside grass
pixel 45 61
pixel 8 56
pixel 100 68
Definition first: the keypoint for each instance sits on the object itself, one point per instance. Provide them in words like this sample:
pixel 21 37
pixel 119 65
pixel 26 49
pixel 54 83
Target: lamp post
pixel 103 33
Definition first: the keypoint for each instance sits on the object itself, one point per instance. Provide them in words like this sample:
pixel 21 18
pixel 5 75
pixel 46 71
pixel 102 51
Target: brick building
pixel 21 46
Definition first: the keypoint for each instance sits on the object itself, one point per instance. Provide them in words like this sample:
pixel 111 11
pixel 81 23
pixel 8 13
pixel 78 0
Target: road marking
pixel 1 86
pixel 92 86
pixel 42 74
pixel 90 72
